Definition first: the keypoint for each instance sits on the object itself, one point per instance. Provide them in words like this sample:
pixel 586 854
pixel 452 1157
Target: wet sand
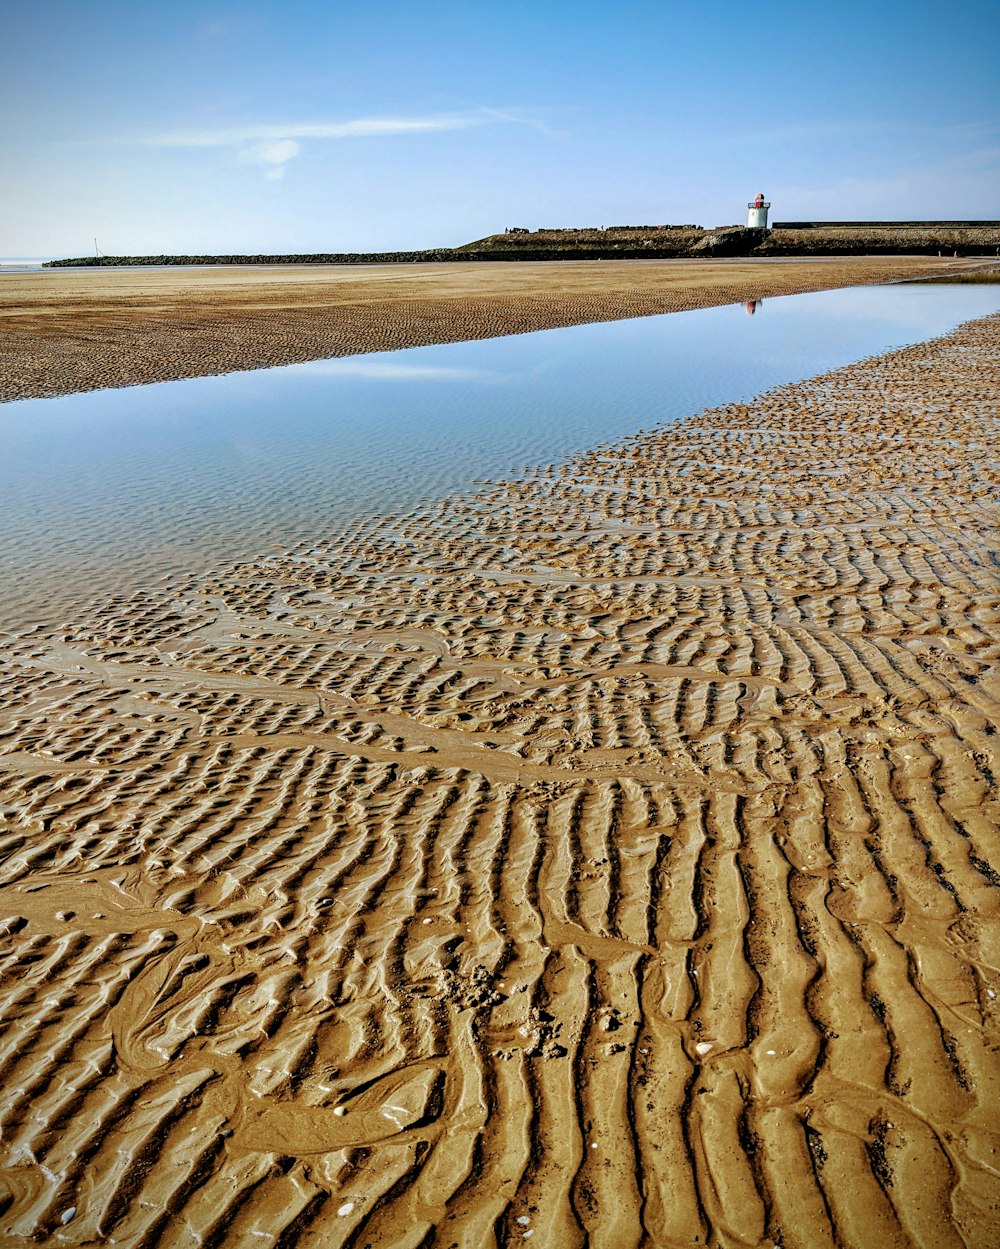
pixel 610 857
pixel 68 330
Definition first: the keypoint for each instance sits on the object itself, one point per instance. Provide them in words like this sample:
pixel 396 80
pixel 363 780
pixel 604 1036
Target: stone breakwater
pixel 428 255
pixel 803 239
pixel 68 330
pixel 825 238
pixel 612 855
pixel 818 238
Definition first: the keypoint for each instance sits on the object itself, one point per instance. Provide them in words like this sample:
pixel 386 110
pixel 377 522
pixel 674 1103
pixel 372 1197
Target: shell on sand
pixel 610 856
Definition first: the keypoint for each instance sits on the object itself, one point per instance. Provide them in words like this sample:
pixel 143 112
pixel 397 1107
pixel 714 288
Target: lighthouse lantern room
pixel 757 213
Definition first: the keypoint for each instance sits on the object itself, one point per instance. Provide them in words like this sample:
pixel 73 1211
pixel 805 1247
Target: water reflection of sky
pixel 113 486
pixel 384 368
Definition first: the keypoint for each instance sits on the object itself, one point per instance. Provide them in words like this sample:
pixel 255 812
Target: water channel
pixel 110 489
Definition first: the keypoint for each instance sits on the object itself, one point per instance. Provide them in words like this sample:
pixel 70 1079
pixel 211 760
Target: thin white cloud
pixel 519 119
pixel 274 145
pixel 273 155
pixel 359 128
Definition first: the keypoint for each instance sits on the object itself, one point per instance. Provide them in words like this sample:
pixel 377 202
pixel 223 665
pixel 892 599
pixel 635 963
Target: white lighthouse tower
pixel 757 214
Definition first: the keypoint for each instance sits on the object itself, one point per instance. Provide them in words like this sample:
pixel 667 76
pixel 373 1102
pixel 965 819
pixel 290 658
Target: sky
pixel 307 126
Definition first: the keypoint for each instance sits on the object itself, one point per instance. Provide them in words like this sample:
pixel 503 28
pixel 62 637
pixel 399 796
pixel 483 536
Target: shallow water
pixel 111 489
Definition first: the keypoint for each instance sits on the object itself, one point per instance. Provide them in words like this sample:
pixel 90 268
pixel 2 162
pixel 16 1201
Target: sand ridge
pixel 68 330
pixel 609 857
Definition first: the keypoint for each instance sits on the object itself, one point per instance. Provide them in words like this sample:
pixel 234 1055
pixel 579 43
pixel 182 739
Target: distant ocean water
pixel 19 263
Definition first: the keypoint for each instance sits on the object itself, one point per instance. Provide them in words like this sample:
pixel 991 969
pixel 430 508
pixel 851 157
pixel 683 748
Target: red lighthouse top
pixel 759 201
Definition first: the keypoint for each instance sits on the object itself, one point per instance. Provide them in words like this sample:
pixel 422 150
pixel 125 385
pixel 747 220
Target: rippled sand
pixel 610 857
pixel 67 330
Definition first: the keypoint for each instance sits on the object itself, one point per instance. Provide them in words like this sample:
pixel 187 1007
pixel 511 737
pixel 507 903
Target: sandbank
pixel 611 855
pixel 68 330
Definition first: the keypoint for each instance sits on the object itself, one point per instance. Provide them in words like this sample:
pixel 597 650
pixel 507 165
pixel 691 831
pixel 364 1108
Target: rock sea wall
pixel 642 243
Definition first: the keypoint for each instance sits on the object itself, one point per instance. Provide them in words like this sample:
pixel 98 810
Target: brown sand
pixel 67 330
pixel 610 857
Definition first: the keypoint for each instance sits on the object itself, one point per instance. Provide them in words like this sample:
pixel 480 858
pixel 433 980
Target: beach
pixel 69 330
pixel 608 856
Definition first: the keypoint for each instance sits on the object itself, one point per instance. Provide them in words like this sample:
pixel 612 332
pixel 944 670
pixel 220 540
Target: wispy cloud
pixel 274 145
pixel 274 154
pixel 359 127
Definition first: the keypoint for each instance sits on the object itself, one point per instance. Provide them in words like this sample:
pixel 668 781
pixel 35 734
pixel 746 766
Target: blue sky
pixel 377 124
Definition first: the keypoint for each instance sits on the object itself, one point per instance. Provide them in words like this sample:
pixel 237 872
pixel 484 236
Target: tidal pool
pixel 117 488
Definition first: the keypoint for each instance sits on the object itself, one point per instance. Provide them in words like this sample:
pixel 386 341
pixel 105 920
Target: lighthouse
pixel 757 214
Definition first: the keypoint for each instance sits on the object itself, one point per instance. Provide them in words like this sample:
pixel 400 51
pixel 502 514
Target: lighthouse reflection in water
pixel 752 305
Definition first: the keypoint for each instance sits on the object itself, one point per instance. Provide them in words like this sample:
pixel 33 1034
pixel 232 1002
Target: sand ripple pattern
pixel 610 858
